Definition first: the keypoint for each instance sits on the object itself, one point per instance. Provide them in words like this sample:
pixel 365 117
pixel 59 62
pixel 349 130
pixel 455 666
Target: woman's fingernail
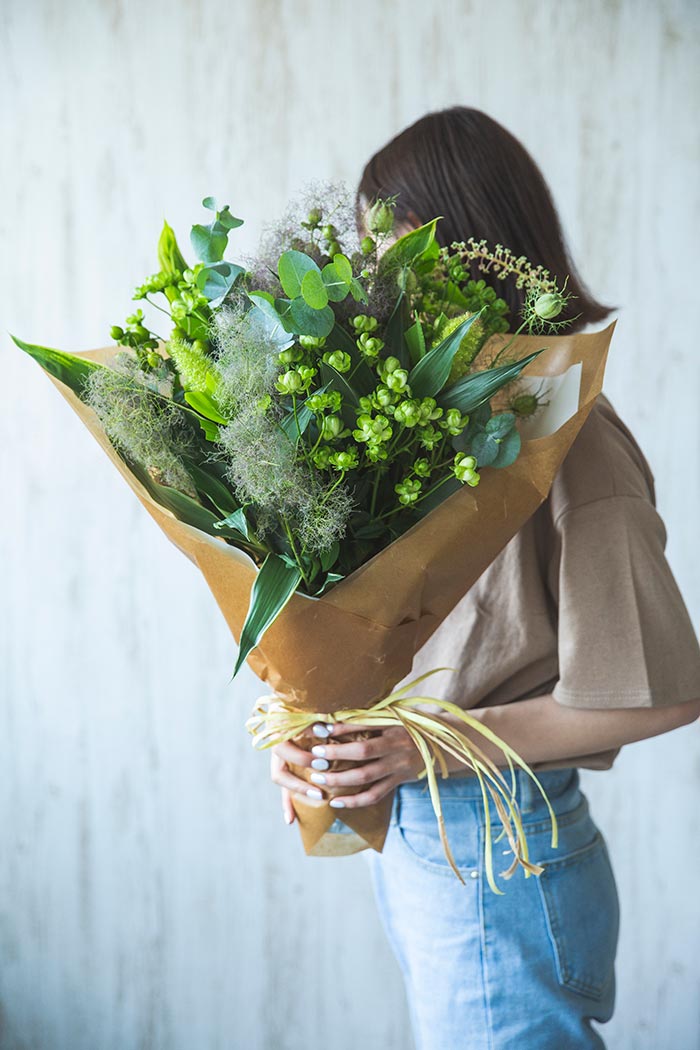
pixel 288 818
pixel 318 778
pixel 318 749
pixel 314 793
pixel 320 763
pixel 321 730
pixel 337 803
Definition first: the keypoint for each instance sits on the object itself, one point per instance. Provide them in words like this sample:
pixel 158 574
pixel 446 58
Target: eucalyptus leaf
pixel 308 321
pixel 343 267
pixel 274 585
pixel 209 242
pixel 313 290
pixel 217 280
pixel 336 288
pixel 292 267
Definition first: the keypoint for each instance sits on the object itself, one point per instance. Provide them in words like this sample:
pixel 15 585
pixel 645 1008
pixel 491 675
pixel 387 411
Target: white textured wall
pixel 150 895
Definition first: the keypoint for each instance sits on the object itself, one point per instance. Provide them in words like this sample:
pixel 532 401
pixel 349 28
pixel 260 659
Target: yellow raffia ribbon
pixel 274 721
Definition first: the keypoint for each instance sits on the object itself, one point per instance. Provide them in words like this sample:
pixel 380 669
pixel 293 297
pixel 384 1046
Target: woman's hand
pixel 379 764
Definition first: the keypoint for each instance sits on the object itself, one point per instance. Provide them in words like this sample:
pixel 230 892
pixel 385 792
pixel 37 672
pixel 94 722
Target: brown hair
pixel 463 165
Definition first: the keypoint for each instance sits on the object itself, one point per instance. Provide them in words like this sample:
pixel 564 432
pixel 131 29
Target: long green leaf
pixel 472 390
pixel 274 585
pixel 428 377
pixel 69 369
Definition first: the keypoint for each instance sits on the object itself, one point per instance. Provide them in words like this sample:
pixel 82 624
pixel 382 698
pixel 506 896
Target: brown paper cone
pixel 349 647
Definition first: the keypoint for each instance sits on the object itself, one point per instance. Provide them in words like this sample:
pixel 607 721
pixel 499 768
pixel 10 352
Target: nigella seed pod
pixel 380 218
pixel 549 305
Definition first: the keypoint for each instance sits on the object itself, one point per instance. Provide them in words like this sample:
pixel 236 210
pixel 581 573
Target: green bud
pixel 549 305
pixel 421 467
pixel 170 258
pixel 380 217
pixel 289 383
pixel 116 333
pixel 524 404
pixel 367 245
pixel 290 355
pixel 331 428
pixel 333 249
pixel 312 342
pixel 329 232
pixel 314 217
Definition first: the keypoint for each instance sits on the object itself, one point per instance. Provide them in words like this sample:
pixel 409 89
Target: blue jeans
pixel 527 970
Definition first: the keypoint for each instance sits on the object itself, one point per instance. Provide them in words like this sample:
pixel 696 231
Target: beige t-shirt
pixel 581 603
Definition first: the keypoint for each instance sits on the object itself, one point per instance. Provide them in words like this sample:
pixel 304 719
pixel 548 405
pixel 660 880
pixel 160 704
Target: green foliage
pixel 274 585
pixel 290 422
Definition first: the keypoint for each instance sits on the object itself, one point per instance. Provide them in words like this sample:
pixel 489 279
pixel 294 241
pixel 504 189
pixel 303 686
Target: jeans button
pixel 474 874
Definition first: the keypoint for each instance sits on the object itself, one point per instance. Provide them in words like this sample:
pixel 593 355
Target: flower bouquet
pixel 342 435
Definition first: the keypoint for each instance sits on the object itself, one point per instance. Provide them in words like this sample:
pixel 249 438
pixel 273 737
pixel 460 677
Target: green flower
pixel 429 437
pixel 369 345
pixel 408 412
pixel 312 342
pixel 364 323
pixel 408 490
pixel 290 355
pixel 338 359
pixel 372 430
pixel 454 422
pixel 346 459
pixel 322 457
pixel 332 428
pixel 295 380
pixel 330 401
pixel 421 467
pixel 376 453
pixel 464 469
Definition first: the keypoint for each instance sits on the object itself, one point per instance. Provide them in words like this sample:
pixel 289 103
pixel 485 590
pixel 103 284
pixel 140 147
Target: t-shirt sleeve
pixel 625 638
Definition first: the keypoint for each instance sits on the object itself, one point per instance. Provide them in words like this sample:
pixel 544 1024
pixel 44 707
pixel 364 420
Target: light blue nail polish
pixel 318 778
pixel 320 763
pixel 319 729
pixel 314 793
pixel 337 803
pixel 318 749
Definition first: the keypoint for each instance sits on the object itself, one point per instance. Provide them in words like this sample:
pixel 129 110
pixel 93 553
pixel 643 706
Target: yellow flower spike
pixel 273 721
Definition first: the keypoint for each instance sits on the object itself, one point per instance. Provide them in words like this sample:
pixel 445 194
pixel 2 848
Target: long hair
pixel 461 164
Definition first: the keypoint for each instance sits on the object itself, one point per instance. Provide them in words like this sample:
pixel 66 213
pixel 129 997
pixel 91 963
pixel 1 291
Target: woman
pixel 574 642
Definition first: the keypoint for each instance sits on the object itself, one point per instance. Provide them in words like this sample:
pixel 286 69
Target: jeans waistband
pixel 528 796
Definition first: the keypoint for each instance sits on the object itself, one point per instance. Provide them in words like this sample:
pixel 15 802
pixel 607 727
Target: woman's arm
pixel 543 730
pixel 539 729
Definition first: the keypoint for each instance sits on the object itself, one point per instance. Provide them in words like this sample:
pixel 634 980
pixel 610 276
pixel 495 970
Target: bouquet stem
pixel 274 721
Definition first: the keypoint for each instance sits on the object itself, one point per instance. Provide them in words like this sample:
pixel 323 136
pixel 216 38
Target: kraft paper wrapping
pixel 351 646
